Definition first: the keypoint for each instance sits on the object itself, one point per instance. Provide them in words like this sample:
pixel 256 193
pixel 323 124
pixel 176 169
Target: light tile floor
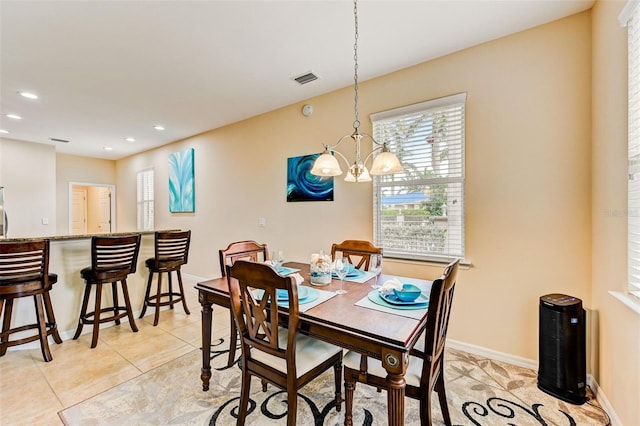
pixel 33 391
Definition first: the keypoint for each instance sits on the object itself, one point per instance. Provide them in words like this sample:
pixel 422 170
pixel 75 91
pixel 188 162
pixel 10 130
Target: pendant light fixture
pixel 384 163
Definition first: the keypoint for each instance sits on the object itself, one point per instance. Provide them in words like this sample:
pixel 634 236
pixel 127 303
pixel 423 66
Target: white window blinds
pixel 145 193
pixel 419 213
pixel 632 12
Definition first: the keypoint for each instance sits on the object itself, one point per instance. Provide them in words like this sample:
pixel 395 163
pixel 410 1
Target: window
pixel 419 213
pixel 631 18
pixel 145 200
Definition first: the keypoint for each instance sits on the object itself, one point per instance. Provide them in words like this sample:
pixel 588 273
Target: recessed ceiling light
pixel 28 95
pixel 158 127
pixel 107 148
pixel 130 139
pixel 14 116
pixel 4 131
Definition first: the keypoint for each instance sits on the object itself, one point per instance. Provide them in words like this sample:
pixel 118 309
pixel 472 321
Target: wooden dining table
pixel 385 336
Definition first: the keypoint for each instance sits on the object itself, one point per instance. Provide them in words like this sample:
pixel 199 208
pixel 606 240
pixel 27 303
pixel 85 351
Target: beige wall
pixel 28 173
pixel 72 168
pixel 528 187
pixel 619 327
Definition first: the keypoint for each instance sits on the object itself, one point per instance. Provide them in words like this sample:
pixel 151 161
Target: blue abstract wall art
pixel 302 185
pixel 182 182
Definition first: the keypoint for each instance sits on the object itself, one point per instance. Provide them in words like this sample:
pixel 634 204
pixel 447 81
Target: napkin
pixel 389 285
pixel 299 279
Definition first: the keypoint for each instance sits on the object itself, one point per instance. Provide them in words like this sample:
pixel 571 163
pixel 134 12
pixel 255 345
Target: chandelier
pixel 384 163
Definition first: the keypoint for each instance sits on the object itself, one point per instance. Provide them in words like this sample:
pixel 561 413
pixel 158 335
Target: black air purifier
pixel 562 370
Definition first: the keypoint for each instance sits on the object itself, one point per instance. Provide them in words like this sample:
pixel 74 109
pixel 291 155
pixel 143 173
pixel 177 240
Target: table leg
pixel 395 398
pixel 396 364
pixel 207 319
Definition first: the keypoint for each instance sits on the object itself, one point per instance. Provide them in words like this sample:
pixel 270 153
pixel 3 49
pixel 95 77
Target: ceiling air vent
pixel 306 78
pixel 58 140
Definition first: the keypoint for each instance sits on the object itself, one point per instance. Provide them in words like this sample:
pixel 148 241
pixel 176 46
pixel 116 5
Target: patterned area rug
pixel 480 391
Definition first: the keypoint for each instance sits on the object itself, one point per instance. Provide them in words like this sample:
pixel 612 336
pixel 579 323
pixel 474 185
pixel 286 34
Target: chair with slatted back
pixel 171 252
pixel 24 272
pixel 249 250
pixel 426 363
pixel 357 251
pixel 272 348
pixel 113 258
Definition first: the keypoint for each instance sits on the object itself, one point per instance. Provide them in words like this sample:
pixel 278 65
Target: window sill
pixel 464 263
pixel 629 300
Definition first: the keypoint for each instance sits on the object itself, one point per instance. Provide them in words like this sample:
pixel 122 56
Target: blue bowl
pixel 409 293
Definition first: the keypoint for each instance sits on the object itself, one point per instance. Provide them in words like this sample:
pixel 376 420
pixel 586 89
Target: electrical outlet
pixel 262 222
pixel 45 221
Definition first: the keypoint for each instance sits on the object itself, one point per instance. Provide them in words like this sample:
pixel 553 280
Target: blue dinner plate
pixel 287 271
pixel 353 273
pixel 376 298
pixel 303 292
pixel 394 300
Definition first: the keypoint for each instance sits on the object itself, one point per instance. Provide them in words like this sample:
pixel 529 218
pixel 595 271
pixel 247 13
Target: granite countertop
pixel 83 236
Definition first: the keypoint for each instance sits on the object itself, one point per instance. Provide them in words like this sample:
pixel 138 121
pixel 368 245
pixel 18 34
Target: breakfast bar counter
pixel 68 255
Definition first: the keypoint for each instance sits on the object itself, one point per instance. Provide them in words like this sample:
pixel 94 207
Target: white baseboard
pixel 533 365
pixel 495 355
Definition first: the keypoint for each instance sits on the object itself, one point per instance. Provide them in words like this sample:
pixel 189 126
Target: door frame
pixel 113 202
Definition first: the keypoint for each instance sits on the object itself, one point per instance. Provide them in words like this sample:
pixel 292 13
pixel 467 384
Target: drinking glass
pixel 342 268
pixel 375 266
pixel 277 258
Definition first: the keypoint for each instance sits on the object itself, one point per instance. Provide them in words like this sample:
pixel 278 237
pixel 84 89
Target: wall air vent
pixel 306 78
pixel 58 140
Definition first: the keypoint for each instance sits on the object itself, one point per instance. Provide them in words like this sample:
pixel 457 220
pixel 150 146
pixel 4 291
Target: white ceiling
pixel 106 70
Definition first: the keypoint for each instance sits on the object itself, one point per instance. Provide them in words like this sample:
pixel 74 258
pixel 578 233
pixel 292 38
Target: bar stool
pixel 171 252
pixel 112 260
pixel 24 271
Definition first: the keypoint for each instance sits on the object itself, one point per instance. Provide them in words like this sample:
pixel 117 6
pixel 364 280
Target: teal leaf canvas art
pixel 181 182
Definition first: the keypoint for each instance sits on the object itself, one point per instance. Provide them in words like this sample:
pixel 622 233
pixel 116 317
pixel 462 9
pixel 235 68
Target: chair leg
pixel 145 303
pixel 184 301
pixel 245 388
pixel 6 324
pixel 442 397
pixel 170 290
pixel 233 340
pixel 349 389
pixel 51 318
pixel 83 311
pixel 96 316
pixel 127 305
pixel 42 328
pixel 292 406
pixel 156 316
pixel 337 375
pixel 114 295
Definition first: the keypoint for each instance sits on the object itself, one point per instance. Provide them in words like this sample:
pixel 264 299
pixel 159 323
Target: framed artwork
pixel 182 182
pixel 302 185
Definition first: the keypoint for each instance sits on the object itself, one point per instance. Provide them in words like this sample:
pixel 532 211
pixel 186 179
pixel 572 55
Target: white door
pixel 104 210
pixel 79 212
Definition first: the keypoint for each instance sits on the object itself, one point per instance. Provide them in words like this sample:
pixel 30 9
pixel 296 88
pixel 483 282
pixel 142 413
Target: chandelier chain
pixel 356 122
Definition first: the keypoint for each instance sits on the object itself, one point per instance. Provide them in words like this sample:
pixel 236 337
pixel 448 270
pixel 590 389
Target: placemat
pixel 366 276
pixel 415 313
pixel 316 297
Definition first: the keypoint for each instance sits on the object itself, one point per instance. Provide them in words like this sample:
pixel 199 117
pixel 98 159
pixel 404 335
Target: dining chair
pixel 24 272
pixel 272 347
pixel 113 258
pixel 357 251
pixel 249 250
pixel 171 251
pixel 426 366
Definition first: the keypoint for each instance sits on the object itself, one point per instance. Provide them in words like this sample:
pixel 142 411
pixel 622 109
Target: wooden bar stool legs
pixel 24 273
pixel 95 317
pixel 112 260
pixel 171 252
pixel 155 300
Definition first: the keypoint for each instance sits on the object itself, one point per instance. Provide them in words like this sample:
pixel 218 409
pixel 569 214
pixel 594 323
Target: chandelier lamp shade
pixel 384 163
